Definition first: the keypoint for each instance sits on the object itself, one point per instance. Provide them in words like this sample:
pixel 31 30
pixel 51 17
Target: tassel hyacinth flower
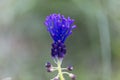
pixel 59 28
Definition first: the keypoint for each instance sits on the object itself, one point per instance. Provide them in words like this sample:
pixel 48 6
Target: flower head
pixel 59 27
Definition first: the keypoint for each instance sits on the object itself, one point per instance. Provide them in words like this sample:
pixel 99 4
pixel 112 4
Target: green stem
pixel 60 71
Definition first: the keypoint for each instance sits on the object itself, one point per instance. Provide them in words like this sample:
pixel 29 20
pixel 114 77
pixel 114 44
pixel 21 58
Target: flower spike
pixel 59 28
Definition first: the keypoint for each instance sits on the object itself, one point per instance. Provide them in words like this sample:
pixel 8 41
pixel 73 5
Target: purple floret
pixel 59 26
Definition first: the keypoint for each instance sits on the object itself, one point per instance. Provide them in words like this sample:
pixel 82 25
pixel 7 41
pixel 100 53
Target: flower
pixel 59 28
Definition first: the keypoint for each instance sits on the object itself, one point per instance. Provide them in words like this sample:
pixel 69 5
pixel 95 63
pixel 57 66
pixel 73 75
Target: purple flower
pixel 59 28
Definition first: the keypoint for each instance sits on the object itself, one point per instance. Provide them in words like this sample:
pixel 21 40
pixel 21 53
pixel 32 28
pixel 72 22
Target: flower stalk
pixel 60 70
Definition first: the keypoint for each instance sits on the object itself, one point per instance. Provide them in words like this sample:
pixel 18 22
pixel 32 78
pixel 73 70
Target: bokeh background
pixel 93 48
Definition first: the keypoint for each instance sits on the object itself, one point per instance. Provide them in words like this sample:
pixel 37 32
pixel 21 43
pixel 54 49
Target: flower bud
pixel 48 65
pixel 72 76
pixel 49 70
pixel 56 78
pixel 70 68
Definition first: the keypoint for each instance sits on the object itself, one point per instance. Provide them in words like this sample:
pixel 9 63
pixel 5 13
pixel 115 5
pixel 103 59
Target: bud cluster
pixel 58 50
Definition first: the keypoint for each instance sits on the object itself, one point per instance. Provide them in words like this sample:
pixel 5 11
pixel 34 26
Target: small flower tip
pixel 49 69
pixel 72 76
pixel 56 78
pixel 74 26
pixel 48 65
pixel 70 68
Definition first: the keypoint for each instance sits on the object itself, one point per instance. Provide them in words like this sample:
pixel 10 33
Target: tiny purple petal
pixel 74 26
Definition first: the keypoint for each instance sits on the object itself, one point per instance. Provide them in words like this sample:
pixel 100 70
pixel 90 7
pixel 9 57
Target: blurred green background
pixel 93 48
